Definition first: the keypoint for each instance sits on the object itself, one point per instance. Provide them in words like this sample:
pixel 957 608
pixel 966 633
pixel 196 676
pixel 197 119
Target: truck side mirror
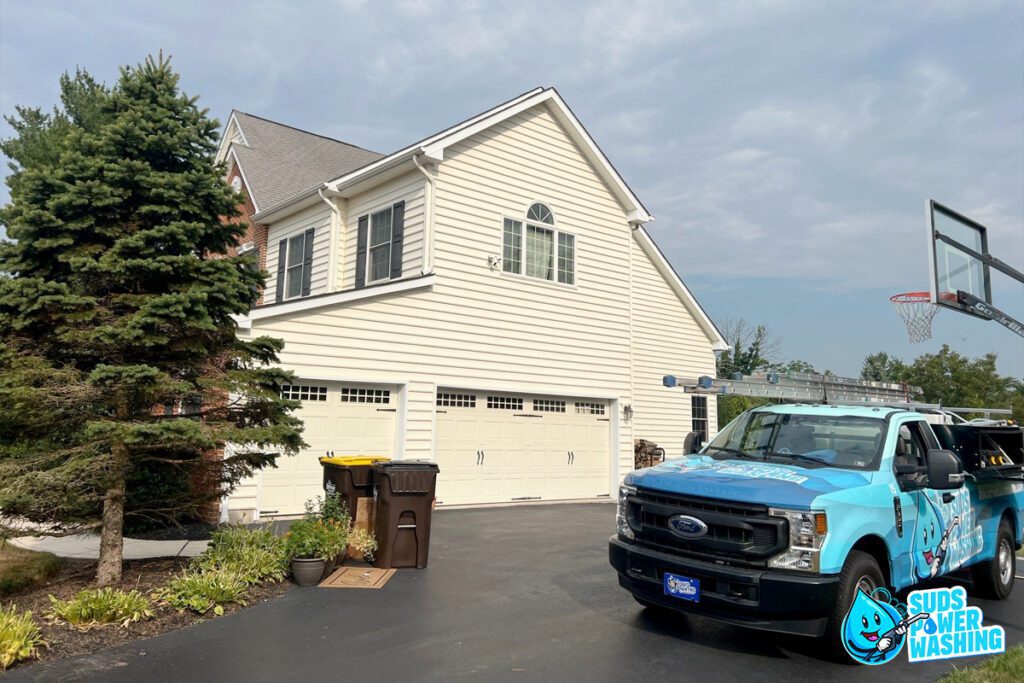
pixel 945 471
pixel 692 443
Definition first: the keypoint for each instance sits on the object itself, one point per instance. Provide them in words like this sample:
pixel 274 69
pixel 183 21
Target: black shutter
pixel 307 262
pixel 282 254
pixel 362 237
pixel 397 233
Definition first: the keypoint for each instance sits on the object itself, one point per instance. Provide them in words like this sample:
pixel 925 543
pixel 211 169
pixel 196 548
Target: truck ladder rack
pixel 800 387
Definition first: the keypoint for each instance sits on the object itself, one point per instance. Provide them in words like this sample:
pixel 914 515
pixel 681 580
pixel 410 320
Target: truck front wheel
pixel 993 579
pixel 860 571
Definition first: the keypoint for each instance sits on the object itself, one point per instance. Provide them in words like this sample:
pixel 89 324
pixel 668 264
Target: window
pixel 544 405
pixel 298 392
pixel 361 395
pixel 549 253
pixel 589 408
pixel 699 417
pixel 456 400
pixel 380 246
pixel 566 258
pixel 512 247
pixel 504 403
pixel 910 446
pixel 294 265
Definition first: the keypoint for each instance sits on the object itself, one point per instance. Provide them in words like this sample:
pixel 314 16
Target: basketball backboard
pixel 959 247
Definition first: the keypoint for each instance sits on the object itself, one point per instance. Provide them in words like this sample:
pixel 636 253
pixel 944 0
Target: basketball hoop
pixel 917 311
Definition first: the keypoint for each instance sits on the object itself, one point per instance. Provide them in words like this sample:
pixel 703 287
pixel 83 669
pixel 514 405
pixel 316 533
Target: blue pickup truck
pixel 779 520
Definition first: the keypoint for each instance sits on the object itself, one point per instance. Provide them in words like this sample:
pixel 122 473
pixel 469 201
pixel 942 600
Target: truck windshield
pixel 804 440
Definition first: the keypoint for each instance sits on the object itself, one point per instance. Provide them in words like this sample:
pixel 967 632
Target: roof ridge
pixel 307 132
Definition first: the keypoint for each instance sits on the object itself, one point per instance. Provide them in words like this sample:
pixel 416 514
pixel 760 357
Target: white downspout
pixel 428 218
pixel 332 264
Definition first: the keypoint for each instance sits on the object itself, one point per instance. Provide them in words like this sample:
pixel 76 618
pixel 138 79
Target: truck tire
pixel 993 579
pixel 860 570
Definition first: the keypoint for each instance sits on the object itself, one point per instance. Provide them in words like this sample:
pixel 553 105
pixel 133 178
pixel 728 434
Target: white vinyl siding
pixel 666 340
pixel 318 218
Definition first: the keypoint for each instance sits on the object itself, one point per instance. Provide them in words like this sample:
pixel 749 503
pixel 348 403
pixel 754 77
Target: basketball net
pixel 917 311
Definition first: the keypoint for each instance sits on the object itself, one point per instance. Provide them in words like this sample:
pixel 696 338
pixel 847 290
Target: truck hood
pixel 745 481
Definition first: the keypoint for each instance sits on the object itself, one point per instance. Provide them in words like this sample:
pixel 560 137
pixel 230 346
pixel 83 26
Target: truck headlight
pixel 621 518
pixel 807 532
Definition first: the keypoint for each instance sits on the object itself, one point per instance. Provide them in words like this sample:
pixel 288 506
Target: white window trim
pixel 521 275
pixel 301 266
pixel 369 243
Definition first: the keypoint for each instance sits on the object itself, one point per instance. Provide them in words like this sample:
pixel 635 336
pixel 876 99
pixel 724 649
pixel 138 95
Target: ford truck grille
pixel 738 533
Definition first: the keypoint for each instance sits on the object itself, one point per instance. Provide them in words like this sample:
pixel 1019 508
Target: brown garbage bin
pixel 405 501
pixel 351 477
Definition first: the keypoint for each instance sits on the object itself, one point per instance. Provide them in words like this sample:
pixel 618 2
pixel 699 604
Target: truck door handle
pixel 947 497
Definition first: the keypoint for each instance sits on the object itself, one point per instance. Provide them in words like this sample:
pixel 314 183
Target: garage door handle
pixel 568 457
pixel 483 456
pixel 478 457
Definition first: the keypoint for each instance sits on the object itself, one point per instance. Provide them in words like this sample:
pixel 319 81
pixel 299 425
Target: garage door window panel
pixel 364 395
pixel 303 392
pixel 504 403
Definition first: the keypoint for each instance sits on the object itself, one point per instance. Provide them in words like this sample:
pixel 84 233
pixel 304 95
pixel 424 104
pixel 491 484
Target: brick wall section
pixel 256 233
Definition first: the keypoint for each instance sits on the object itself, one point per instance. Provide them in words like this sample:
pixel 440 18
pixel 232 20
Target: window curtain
pixel 540 252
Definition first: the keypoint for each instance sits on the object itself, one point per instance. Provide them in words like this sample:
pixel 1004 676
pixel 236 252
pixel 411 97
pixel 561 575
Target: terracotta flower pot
pixel 307 571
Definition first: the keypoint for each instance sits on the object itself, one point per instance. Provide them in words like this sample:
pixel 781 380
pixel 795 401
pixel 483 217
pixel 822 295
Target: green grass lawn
pixel 21 569
pixel 1005 668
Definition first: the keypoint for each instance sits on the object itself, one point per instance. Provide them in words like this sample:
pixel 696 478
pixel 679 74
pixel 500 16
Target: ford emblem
pixel 687 526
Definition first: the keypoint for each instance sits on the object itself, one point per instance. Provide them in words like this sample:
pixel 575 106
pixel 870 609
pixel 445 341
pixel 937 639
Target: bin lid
pixel 406 466
pixel 353 460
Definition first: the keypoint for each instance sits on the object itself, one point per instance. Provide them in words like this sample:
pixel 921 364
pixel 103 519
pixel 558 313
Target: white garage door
pixel 495 448
pixel 343 418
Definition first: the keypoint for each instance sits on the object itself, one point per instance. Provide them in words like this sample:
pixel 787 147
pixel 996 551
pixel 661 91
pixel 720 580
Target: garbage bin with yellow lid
pixel 351 477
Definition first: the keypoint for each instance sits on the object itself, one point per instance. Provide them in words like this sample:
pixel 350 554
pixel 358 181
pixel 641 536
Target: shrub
pixel 364 542
pixel 99 606
pixel 315 538
pixel 21 569
pixel 201 591
pixel 254 554
pixel 19 637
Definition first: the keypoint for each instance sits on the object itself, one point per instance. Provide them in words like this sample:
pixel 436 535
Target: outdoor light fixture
pixel 627 412
pixel 493 262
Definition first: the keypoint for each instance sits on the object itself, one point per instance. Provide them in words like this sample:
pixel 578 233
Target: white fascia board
pixel 324 300
pixel 241 172
pixel 225 141
pixel 718 342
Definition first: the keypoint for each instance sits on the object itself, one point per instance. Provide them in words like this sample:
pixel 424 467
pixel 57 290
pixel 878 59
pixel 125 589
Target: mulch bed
pixel 143 575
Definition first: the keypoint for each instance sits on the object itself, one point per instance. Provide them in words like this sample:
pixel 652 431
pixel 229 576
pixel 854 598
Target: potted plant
pixel 305 545
pixel 314 542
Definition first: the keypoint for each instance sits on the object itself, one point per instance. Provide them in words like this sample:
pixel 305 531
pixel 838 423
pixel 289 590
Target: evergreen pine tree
pixel 116 300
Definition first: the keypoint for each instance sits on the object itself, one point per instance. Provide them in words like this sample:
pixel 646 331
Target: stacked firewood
pixel 646 454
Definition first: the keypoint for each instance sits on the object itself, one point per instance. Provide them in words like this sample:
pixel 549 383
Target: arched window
pixel 539 212
pixel 550 254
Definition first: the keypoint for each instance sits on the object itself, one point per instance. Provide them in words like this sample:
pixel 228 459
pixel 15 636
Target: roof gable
pixel 279 161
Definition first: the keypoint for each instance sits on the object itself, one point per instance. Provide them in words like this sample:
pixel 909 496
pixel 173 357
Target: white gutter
pixel 428 218
pixel 332 264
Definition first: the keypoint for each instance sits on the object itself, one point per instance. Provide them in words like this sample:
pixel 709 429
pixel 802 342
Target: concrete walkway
pixel 87 547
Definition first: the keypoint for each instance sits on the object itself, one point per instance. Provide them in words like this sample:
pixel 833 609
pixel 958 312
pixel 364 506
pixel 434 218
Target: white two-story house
pixel 486 298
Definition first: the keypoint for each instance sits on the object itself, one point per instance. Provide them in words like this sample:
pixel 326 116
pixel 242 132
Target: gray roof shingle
pixel 281 162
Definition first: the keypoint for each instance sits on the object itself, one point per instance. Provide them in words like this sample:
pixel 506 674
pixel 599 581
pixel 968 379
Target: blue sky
pixel 786 149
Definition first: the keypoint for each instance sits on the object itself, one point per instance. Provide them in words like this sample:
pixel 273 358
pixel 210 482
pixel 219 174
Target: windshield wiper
pixel 734 451
pixel 798 456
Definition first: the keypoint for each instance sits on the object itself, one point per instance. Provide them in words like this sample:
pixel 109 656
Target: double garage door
pixel 491 447
pixel 499 448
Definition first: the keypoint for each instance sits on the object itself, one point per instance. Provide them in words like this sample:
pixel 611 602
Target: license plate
pixel 682 587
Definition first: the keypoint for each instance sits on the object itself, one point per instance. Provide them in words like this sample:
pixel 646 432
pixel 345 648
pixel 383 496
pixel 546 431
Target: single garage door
pixel 495 448
pixel 344 418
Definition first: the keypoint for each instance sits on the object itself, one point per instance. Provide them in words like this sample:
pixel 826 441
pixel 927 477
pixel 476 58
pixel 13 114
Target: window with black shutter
pixel 379 245
pixel 295 266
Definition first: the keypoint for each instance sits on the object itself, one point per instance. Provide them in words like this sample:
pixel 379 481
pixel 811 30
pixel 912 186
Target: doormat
pixel 357 577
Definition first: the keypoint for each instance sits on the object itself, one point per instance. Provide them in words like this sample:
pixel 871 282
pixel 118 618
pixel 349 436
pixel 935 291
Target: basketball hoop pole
pixel 985 310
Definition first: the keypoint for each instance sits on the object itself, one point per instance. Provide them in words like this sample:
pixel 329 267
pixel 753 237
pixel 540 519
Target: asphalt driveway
pixel 512 594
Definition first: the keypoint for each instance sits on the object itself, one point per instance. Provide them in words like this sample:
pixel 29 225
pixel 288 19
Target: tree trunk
pixel 108 573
